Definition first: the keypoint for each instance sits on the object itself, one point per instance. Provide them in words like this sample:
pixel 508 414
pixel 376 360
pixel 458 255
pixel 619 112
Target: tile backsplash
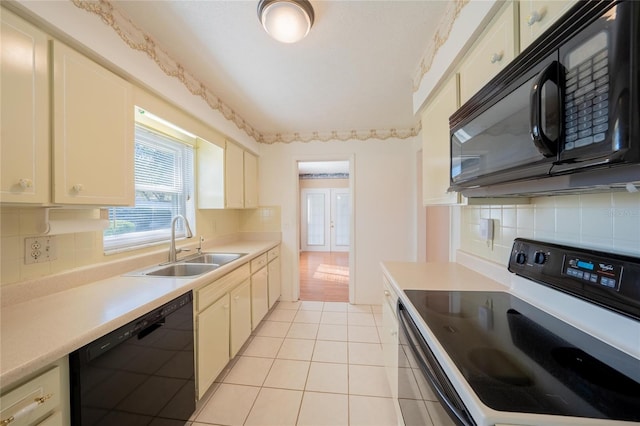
pixel 82 249
pixel 607 221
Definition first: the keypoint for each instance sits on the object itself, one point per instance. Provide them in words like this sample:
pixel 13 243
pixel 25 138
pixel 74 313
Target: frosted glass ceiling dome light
pixel 287 21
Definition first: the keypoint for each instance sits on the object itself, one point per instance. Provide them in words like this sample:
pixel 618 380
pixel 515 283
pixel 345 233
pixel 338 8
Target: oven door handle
pixel 460 417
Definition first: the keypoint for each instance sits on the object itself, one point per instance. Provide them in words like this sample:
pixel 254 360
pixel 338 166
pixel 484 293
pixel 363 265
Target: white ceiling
pixel 354 70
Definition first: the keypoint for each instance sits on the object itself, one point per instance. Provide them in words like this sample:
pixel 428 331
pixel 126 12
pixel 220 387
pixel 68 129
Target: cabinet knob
pixel 25 183
pixel 394 333
pixel 386 293
pixel 78 187
pixel 534 17
pixel 496 57
pixel 236 298
pixel 226 306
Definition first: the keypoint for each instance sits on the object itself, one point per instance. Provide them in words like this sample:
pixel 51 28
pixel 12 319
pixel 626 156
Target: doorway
pixel 325 230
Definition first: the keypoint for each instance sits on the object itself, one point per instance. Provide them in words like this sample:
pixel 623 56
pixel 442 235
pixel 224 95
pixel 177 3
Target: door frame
pixel 352 240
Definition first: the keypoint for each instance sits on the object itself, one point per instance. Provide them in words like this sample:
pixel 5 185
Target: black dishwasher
pixel 140 374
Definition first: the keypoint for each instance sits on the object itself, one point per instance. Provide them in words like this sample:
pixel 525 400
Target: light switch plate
pixel 39 249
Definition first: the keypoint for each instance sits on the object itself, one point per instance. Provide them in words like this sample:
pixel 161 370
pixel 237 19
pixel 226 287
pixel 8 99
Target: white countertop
pixel 36 333
pixel 437 276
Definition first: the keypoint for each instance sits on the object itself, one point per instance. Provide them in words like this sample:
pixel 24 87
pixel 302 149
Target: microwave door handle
pixel 546 146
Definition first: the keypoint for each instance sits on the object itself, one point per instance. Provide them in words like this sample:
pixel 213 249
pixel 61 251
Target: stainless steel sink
pixel 212 258
pixel 182 270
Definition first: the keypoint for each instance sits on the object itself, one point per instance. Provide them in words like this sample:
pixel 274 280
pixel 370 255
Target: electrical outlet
pixel 39 249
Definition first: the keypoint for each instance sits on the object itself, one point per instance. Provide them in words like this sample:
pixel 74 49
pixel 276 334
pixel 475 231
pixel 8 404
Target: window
pixel 164 188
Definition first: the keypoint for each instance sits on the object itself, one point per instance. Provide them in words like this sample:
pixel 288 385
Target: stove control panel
pixel 607 279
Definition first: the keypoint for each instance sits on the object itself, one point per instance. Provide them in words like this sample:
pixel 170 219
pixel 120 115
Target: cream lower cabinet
pixel 93 132
pixel 259 289
pixel 275 277
pixel 389 336
pixel 24 93
pixel 42 398
pixel 436 146
pixel 240 316
pixel 212 343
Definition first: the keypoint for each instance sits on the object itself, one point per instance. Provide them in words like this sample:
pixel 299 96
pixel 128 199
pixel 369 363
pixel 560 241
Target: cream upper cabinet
pixel 24 134
pixel 537 16
pixel 435 146
pixel 211 181
pixel 491 53
pixel 93 132
pixel 250 180
pixel 234 176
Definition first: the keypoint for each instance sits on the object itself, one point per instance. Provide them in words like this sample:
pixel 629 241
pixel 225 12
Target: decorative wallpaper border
pixel 138 40
pixel 439 38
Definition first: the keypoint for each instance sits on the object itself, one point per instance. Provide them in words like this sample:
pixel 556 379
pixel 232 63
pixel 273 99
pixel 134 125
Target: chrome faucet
pixel 172 247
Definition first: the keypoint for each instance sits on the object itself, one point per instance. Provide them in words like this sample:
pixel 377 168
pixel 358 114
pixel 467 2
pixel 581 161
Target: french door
pixel 325 219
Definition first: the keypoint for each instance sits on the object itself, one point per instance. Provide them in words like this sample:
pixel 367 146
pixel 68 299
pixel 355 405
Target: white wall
pixel 384 204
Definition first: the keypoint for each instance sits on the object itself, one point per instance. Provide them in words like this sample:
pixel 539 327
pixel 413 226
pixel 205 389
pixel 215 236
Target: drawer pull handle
pixel 25 410
pixel 496 57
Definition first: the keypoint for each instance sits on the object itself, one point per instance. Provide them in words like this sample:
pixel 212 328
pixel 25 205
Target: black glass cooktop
pixel 518 358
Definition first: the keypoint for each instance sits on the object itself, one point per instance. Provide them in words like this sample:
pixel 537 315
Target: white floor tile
pixel 249 371
pixel 282 315
pixel 325 377
pixel 311 305
pixel 229 405
pixel 302 331
pixel 330 351
pixel 360 318
pixel 299 349
pixel 272 329
pixel 311 317
pixel 275 407
pixel 335 318
pixel 368 380
pixel 371 411
pixel 335 306
pixel 359 308
pixel 288 305
pixel 265 347
pixel 324 409
pixel 365 354
pixel 287 374
pixel 363 334
pixel 332 332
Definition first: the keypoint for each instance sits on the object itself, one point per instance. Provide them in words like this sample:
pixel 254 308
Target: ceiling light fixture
pixel 287 21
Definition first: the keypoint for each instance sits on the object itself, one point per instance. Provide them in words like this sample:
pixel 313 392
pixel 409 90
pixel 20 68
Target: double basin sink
pixel 191 266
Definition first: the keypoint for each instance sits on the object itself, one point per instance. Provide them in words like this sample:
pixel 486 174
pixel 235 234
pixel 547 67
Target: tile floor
pixel 308 363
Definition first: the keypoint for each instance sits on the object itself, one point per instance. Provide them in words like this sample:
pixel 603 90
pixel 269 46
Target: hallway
pixel 324 276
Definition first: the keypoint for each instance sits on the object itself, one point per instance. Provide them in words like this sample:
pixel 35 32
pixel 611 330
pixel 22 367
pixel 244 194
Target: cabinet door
pixel 240 316
pixel 435 146
pixel 250 180
pixel 259 296
pixel 24 134
pixel 234 176
pixel 274 281
pixel 210 159
pixel 490 55
pixel 536 16
pixel 212 343
pixel 93 136
pixel 389 340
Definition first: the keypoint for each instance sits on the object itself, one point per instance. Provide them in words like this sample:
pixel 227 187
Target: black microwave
pixel 563 116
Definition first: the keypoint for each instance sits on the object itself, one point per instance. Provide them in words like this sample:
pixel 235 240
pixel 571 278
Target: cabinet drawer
pixel 208 294
pixel 34 399
pixel 273 253
pixel 258 262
